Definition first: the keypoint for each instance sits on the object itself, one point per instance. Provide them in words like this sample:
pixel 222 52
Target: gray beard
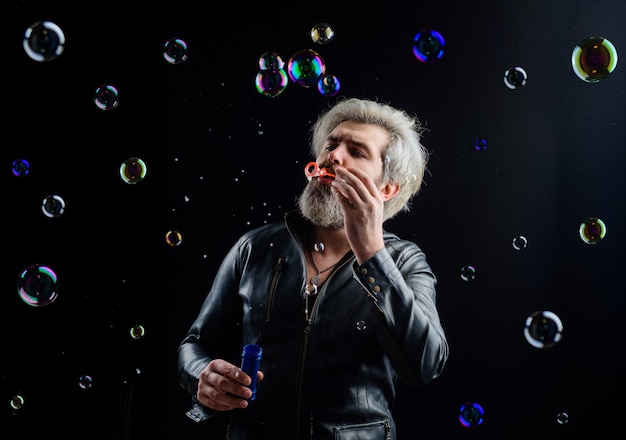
pixel 318 204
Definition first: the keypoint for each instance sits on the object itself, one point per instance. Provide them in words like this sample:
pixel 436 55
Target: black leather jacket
pixel 334 378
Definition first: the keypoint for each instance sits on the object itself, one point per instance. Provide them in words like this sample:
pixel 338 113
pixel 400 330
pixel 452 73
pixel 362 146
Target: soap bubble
pixel 37 285
pixel 593 59
pixel 428 46
pixel 543 329
pixel 44 41
pixel 305 67
pixel 322 33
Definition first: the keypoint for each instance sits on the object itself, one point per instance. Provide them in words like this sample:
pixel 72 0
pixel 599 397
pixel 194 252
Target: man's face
pixel 349 145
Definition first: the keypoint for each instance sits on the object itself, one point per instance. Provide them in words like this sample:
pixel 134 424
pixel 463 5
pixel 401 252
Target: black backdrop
pixel 222 158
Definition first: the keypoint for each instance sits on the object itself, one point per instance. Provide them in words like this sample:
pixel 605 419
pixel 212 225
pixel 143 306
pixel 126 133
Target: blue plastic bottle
pixel 250 360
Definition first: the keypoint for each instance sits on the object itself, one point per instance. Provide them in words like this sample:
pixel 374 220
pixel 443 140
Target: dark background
pixel 222 158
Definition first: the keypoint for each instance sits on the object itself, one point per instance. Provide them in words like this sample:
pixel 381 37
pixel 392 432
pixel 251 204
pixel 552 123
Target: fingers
pixel 223 386
pixel 355 186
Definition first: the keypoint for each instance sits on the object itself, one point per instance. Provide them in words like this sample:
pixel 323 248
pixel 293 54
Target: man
pixel 341 308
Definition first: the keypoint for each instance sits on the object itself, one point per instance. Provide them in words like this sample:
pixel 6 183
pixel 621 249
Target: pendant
pixel 310 290
pixel 315 280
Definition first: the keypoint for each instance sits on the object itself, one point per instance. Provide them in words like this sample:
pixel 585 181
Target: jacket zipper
pixel 270 294
pixel 305 343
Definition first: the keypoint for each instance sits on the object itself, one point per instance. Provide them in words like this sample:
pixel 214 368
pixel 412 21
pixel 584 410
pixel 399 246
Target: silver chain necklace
pixel 314 282
pixel 311 288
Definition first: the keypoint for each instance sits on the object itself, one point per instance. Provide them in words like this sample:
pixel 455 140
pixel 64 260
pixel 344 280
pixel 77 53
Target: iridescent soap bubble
pixel 175 51
pixel 37 285
pixel 592 230
pixel 272 79
pixel 543 329
pixel 17 401
pixel 519 242
pixel 428 46
pixel 137 331
pixel 468 272
pixel 271 60
pixel 305 67
pixel 133 170
pixel 85 382
pixel 593 59
pixel 44 41
pixel 515 77
pixel 173 238
pixel 471 415
pixel 322 33
pixel 53 206
pixel 20 167
pixel 562 418
pixel 480 144
pixel 328 85
pixel 271 82
pixel 106 97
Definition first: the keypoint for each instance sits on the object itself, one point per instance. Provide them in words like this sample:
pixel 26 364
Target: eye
pixel 330 147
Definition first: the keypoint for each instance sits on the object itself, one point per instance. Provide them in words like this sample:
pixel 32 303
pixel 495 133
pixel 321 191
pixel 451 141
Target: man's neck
pixel 334 240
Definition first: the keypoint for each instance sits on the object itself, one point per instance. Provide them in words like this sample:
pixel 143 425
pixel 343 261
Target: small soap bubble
pixel 428 46
pixel 137 331
pixel 17 401
pixel 515 77
pixel 468 273
pixel 322 33
pixel 592 230
pixel 480 144
pixel 44 41
pixel 271 61
pixel 20 167
pixel 133 170
pixel 175 51
pixel 593 59
pixel 106 97
pixel 562 418
pixel 328 85
pixel 53 206
pixel 173 238
pixel 85 382
pixel 305 67
pixel 271 82
pixel 37 285
pixel 519 242
pixel 471 415
pixel 543 329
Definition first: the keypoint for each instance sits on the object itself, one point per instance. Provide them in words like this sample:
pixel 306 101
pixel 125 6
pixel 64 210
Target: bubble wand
pixel 312 169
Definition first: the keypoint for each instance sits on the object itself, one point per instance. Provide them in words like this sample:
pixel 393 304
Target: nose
pixel 334 155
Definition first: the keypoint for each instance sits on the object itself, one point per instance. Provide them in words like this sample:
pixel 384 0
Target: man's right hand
pixel 224 386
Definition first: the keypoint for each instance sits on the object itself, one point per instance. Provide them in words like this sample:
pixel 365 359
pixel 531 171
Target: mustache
pixel 329 166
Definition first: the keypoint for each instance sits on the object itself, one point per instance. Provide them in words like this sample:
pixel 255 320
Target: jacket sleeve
pixel 216 330
pixel 401 287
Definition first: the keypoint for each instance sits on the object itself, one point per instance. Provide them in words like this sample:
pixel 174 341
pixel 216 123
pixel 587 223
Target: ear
pixel 389 190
